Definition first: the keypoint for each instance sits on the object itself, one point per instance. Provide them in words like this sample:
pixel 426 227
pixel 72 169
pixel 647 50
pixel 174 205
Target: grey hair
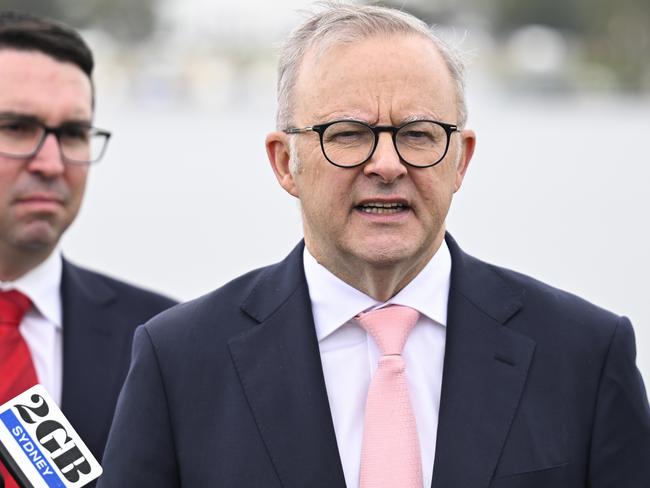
pixel 295 164
pixel 343 23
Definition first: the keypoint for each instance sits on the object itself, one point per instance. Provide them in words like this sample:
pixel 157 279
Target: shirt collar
pixel 334 302
pixel 42 285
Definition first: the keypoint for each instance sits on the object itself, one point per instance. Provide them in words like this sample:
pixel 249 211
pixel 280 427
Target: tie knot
pixel 13 306
pixel 389 326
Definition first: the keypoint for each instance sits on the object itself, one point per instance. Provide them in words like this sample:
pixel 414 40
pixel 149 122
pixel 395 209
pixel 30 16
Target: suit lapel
pixel 89 342
pixel 485 370
pixel 278 363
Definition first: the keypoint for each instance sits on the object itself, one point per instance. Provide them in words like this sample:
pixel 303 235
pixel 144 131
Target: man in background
pixel 61 325
pixel 379 354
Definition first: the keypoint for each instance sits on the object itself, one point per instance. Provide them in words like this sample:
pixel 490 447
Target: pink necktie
pixel 390 455
pixel 17 371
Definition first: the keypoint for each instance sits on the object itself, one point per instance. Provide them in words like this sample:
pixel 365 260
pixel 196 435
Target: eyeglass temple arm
pixel 295 130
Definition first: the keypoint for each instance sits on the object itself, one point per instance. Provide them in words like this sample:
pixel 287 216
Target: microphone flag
pixel 40 447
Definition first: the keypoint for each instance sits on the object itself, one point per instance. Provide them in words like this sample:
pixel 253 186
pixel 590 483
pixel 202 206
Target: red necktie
pixel 390 454
pixel 17 371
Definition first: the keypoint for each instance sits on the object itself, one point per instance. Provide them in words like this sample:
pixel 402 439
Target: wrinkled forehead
pixel 406 71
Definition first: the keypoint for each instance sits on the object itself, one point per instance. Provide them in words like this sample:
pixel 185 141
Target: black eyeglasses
pixel 21 137
pixel 350 143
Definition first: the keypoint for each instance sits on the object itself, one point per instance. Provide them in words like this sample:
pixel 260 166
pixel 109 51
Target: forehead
pixel 391 77
pixel 34 83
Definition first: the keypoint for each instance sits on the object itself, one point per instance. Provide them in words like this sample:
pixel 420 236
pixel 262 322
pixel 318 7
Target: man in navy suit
pixel 263 382
pixel 75 327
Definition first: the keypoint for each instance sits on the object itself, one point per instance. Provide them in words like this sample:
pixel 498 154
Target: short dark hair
pixel 26 32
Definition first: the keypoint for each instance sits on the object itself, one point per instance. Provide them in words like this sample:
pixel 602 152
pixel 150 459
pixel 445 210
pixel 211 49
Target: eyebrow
pixel 34 118
pixel 416 117
pixel 406 120
pixel 17 115
pixel 342 117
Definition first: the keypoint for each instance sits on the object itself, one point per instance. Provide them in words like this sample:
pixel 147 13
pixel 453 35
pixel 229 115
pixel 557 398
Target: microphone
pixel 39 447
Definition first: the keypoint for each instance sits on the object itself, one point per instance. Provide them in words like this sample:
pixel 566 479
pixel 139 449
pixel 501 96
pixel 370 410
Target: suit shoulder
pixel 222 303
pixel 560 308
pixel 543 310
pixel 106 287
pixel 563 299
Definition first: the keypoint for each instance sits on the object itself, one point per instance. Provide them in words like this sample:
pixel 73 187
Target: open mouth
pixel 382 208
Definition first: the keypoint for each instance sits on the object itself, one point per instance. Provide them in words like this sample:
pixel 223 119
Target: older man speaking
pixel 378 353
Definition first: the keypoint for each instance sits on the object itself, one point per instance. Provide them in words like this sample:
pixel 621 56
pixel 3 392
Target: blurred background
pixel 558 92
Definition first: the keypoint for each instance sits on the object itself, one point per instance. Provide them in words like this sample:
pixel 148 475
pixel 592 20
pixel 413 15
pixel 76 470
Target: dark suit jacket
pixel 100 315
pixel 540 390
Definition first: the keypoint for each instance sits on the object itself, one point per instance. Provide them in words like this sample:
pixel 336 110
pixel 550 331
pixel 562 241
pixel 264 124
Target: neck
pixel 382 284
pixel 13 265
pixel 381 281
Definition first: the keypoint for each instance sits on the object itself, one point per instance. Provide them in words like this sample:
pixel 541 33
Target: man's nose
pixel 385 162
pixel 48 160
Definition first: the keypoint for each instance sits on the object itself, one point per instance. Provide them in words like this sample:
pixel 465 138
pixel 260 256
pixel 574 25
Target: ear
pixel 277 150
pixel 467 145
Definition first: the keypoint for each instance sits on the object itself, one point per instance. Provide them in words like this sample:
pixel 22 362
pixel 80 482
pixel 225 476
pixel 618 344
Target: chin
pixel 385 255
pixel 38 238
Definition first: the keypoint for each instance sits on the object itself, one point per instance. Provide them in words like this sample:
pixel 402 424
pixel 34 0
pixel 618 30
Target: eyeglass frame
pixel 376 130
pixel 57 134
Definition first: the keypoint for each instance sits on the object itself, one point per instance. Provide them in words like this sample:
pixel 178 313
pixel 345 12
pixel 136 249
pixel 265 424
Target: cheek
pixel 314 152
pixel 76 178
pixel 10 179
pixel 325 194
pixel 9 174
pixel 435 189
pixel 5 187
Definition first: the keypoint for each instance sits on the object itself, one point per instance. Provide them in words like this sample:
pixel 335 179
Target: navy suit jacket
pixel 100 315
pixel 540 390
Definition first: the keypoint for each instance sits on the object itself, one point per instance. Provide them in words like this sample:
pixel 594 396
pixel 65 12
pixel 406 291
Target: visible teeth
pixel 384 205
pixel 383 208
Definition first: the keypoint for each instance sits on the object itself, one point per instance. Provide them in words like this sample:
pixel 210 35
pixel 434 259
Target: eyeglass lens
pixel 78 142
pixel 419 143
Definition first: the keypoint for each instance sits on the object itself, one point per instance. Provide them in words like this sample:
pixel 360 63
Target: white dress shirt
pixel 41 326
pixel 349 355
